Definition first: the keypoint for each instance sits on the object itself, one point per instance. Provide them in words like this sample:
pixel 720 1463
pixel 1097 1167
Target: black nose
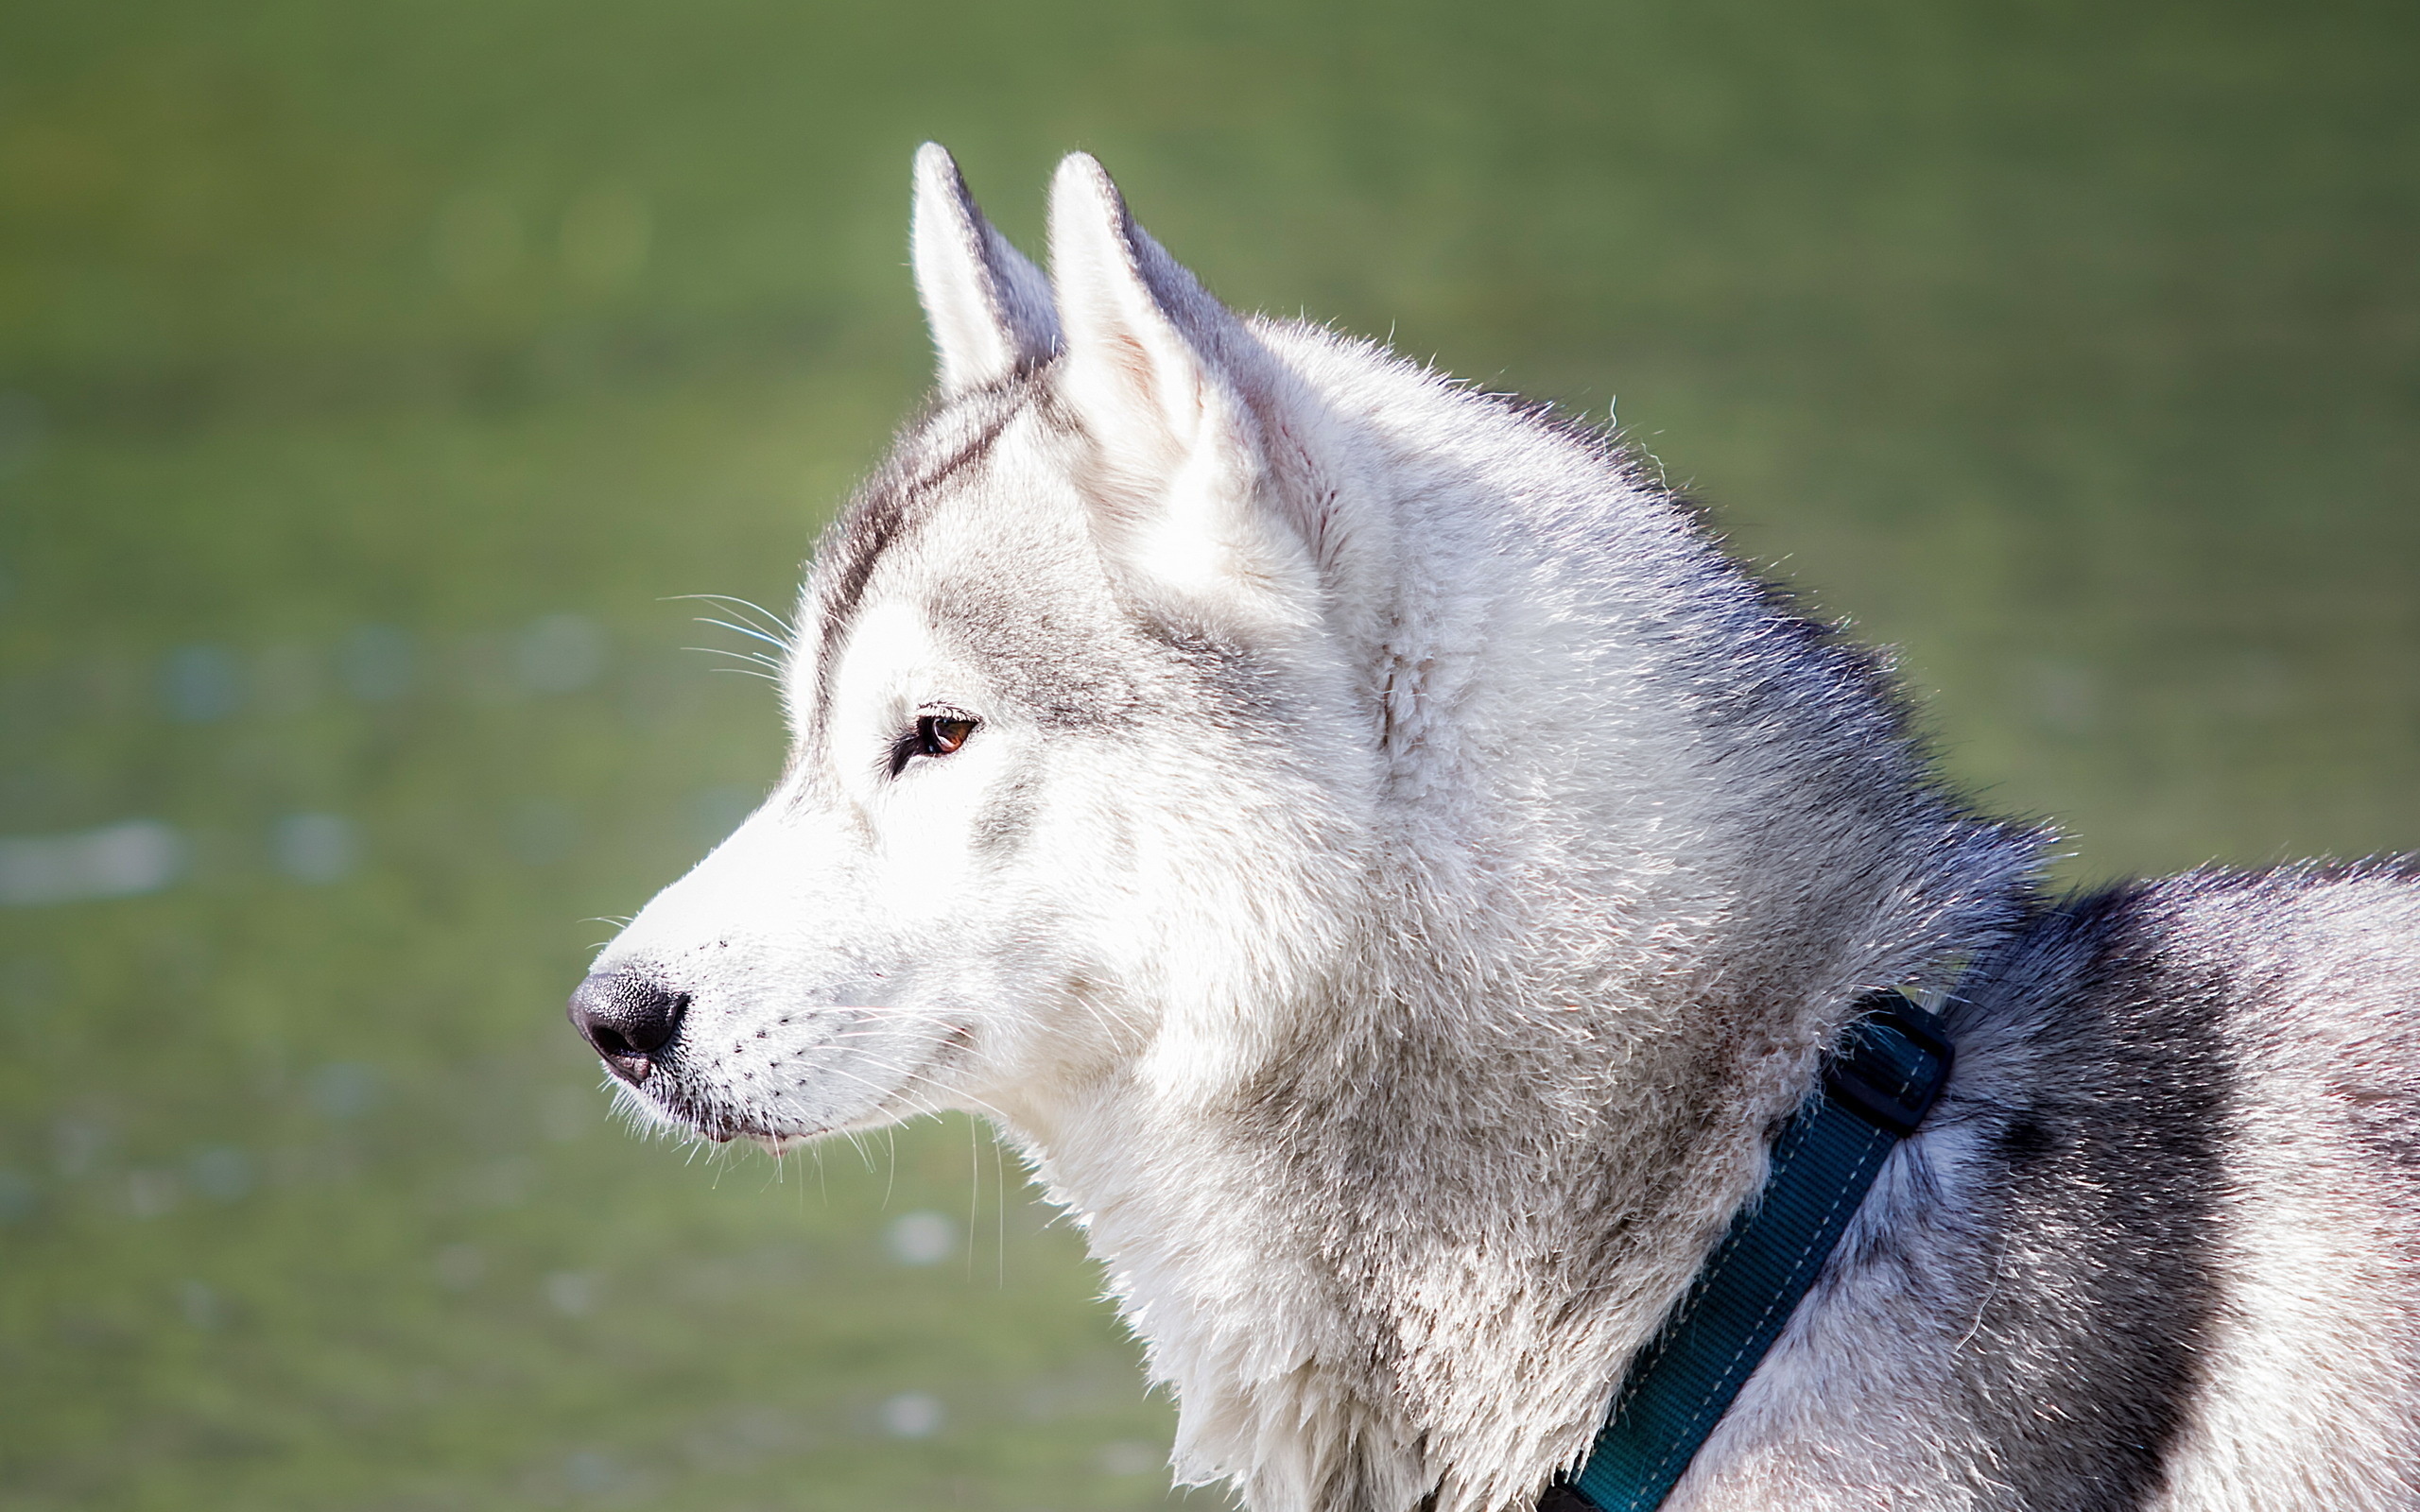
pixel 627 1019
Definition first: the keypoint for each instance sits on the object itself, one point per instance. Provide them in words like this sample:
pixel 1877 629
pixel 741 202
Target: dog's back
pixel 2309 1339
pixel 2159 1245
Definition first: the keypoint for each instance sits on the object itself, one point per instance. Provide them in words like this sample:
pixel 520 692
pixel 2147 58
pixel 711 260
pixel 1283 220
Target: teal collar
pixel 1877 1089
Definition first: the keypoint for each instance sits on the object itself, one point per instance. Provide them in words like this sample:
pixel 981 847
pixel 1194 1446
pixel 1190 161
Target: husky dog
pixel 1391 874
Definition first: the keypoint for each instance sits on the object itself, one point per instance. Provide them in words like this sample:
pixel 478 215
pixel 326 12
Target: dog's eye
pixel 936 734
pixel 939 734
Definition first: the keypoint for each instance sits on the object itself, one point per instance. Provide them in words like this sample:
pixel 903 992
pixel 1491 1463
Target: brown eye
pixel 939 734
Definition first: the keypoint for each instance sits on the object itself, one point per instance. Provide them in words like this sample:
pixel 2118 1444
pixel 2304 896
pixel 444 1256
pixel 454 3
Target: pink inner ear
pixel 1129 358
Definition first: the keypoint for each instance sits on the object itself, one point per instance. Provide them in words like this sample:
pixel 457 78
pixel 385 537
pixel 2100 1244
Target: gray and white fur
pixel 1390 873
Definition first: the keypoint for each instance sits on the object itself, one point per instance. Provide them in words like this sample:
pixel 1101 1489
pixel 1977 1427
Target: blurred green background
pixel 372 376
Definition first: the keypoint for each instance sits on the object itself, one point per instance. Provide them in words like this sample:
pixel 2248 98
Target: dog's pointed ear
pixel 988 306
pixel 1179 399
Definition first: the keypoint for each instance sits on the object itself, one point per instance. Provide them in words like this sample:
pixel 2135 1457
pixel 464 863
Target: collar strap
pixel 1877 1087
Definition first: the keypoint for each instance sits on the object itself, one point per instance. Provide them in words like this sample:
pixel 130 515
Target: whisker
pixel 759 658
pixel 1000 1210
pixel 748 630
pixel 771 620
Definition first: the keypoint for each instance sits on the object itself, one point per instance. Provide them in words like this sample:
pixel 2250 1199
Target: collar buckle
pixel 1892 1065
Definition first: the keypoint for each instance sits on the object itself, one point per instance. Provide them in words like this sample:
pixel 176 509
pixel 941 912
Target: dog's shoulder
pixel 2288 942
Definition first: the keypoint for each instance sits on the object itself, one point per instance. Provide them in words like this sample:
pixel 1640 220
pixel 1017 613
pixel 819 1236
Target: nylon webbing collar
pixel 1876 1088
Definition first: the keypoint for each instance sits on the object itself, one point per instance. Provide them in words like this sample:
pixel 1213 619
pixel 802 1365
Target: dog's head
pixel 1082 759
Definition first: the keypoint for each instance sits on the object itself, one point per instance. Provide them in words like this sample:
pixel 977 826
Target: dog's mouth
pixel 672 1095
pixel 662 1100
pixel 667 1101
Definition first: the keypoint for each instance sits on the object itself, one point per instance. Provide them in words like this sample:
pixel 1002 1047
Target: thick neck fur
pixel 1642 838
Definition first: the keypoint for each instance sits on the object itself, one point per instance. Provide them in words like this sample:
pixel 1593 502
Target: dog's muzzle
pixel 628 1020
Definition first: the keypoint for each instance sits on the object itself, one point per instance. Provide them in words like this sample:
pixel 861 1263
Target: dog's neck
pixel 1413 1263
pixel 1646 839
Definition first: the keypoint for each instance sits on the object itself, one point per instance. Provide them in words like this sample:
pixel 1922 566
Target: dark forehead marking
pixel 889 508
pixel 886 510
